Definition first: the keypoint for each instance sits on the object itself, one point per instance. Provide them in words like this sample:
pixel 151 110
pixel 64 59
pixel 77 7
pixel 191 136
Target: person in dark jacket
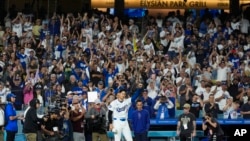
pixel 140 122
pixel 49 125
pixel 96 117
pixel 31 122
pixel 213 128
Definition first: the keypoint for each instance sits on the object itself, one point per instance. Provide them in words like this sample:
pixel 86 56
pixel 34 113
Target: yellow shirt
pixel 36 30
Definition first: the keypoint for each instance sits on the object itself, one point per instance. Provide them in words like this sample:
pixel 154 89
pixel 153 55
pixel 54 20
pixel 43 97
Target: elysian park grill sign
pixel 167 4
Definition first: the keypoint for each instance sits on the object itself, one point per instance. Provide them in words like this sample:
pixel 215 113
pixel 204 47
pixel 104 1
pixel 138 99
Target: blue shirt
pixel 82 65
pixel 49 93
pixel 203 28
pixel 77 90
pixel 23 59
pixel 11 124
pixel 148 105
pixel 163 109
pixel 101 93
pixel 131 111
pixel 235 60
pixel 140 121
pixel 54 29
pixel 108 76
pixel 43 33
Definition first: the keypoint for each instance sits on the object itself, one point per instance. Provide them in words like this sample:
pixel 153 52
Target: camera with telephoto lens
pixel 60 102
pixel 204 119
pixel 163 99
pixel 63 105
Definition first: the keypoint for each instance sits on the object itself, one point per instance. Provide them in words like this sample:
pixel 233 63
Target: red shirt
pixel 78 126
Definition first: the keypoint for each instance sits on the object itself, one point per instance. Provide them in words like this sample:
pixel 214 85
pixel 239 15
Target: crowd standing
pixel 50 65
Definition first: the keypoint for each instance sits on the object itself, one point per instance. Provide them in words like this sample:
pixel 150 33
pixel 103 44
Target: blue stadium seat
pixel 110 134
pixel 171 134
pixel 160 134
pixel 220 116
pixel 18 137
pixel 178 112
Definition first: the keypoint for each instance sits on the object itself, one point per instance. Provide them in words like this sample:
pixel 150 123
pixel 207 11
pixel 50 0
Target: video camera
pixel 60 103
pixel 204 119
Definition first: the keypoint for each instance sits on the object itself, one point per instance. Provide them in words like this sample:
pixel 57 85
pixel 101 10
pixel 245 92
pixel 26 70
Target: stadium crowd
pixel 61 60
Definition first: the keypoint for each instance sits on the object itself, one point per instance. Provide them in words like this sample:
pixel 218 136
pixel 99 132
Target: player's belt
pixel 121 119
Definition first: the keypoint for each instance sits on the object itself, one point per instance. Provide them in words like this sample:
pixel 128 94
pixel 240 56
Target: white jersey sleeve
pixel 120 109
pixel 111 106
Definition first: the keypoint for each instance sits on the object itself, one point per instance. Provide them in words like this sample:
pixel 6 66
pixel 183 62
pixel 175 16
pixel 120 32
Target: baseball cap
pixel 223 82
pixel 33 102
pixel 119 58
pixel 186 105
pixel 10 95
pixel 98 101
pixel 84 92
pixel 100 83
pixel 182 87
pixel 55 111
pixel 37 101
pixel 119 74
pixel 145 90
pixel 38 86
pixel 240 86
pixel 69 92
pixel 64 38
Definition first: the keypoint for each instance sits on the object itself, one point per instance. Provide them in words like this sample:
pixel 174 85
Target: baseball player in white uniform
pixel 118 114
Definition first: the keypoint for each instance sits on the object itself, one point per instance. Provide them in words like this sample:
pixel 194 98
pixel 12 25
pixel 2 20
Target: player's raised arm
pixel 137 93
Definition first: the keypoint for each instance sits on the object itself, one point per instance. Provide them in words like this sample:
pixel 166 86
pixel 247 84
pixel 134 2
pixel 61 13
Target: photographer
pixel 97 121
pixel 65 128
pixel 49 125
pixel 210 124
pixel 162 106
